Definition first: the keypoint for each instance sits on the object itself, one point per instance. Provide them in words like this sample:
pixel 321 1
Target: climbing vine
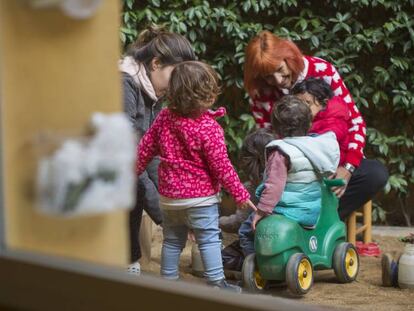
pixel 371 42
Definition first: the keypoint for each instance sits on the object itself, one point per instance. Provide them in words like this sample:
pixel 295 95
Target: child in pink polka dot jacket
pixel 194 165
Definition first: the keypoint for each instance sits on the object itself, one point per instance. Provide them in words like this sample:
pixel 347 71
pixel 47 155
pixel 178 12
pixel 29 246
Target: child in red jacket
pixel 330 113
pixel 193 166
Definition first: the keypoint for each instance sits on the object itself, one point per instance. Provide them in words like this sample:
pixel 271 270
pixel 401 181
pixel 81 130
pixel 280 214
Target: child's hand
pixel 247 204
pixel 341 173
pixel 258 215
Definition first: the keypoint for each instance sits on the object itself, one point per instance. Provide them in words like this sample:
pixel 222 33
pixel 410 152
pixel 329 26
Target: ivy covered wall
pixel 371 43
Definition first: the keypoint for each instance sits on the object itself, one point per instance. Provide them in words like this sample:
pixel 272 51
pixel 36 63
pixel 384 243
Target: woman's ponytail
pixel 155 41
pixel 148 34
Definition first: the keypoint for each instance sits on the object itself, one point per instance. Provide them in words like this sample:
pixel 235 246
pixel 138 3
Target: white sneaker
pixel 134 268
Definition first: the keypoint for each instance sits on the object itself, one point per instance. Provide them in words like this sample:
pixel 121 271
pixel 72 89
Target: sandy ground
pixel 364 294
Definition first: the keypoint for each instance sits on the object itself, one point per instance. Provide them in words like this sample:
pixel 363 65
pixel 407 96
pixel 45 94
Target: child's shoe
pixel 389 271
pixel 134 268
pixel 222 284
pixel 232 256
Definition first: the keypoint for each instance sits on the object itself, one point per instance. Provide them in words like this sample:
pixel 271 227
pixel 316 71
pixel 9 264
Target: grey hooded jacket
pixel 142 111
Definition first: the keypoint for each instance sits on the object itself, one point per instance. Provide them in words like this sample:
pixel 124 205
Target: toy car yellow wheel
pixel 252 280
pixel 299 274
pixel 345 262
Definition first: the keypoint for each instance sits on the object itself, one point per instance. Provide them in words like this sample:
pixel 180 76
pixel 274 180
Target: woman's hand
pixel 247 204
pixel 344 174
pixel 258 215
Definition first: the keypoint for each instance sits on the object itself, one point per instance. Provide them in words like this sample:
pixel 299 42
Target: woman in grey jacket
pixel 146 71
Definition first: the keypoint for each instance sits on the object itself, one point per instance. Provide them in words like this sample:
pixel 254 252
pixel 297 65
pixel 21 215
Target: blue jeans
pixel 246 236
pixel 204 222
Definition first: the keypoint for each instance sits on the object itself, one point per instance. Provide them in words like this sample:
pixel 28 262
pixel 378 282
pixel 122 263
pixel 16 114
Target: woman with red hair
pixel 272 68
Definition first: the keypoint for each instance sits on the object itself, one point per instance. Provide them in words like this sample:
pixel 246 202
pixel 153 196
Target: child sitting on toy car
pixel 329 113
pixel 295 164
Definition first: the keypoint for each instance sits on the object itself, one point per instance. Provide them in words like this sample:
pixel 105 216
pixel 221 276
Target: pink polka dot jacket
pixel 194 161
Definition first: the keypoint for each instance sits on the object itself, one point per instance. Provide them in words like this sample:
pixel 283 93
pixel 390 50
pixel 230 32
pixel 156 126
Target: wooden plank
pixel 55 284
pixel 54 73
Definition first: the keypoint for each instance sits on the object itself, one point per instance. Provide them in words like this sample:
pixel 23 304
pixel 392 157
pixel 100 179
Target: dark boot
pixel 222 284
pixel 389 271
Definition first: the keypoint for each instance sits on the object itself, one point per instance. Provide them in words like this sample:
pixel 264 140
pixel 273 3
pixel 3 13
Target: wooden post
pixel 367 210
pixel 366 227
pixel 352 228
pixel 145 239
pixel 70 71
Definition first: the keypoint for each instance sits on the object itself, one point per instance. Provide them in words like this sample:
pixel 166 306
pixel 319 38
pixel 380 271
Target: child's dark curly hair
pixel 252 154
pixel 291 117
pixel 193 88
pixel 316 87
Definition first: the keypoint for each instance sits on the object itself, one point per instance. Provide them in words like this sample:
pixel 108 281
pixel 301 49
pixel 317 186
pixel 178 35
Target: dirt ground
pixel 364 294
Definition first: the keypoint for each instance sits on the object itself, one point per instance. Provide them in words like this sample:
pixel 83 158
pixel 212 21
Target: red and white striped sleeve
pixel 261 109
pixel 356 127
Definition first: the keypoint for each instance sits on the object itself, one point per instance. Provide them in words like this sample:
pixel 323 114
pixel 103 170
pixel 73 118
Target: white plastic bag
pixel 90 175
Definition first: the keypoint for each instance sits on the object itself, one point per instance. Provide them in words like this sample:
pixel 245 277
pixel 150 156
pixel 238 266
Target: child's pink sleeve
pixel 220 166
pixel 148 147
pixel 276 173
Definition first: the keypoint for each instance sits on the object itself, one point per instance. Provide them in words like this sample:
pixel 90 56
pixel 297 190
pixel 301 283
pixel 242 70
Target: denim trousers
pixel 246 236
pixel 203 221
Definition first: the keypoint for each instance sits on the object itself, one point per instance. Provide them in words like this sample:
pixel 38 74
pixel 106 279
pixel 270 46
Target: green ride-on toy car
pixel 288 252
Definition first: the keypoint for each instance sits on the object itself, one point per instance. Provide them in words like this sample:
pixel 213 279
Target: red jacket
pixel 319 68
pixel 334 117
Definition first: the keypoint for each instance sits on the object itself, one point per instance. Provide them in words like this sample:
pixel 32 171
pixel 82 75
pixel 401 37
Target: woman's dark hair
pixel 193 88
pixel 252 154
pixel 170 48
pixel 291 117
pixel 316 87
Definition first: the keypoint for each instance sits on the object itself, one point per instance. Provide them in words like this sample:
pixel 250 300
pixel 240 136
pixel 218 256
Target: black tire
pixel 345 262
pixel 297 264
pixel 251 277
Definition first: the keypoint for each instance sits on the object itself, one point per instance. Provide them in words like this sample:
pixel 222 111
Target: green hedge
pixel 371 42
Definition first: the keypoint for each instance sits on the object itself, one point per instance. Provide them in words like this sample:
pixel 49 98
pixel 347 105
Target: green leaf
pixel 246 6
pixel 315 41
pixel 373 53
pixel 192 35
pixel 402 85
pixel 182 27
